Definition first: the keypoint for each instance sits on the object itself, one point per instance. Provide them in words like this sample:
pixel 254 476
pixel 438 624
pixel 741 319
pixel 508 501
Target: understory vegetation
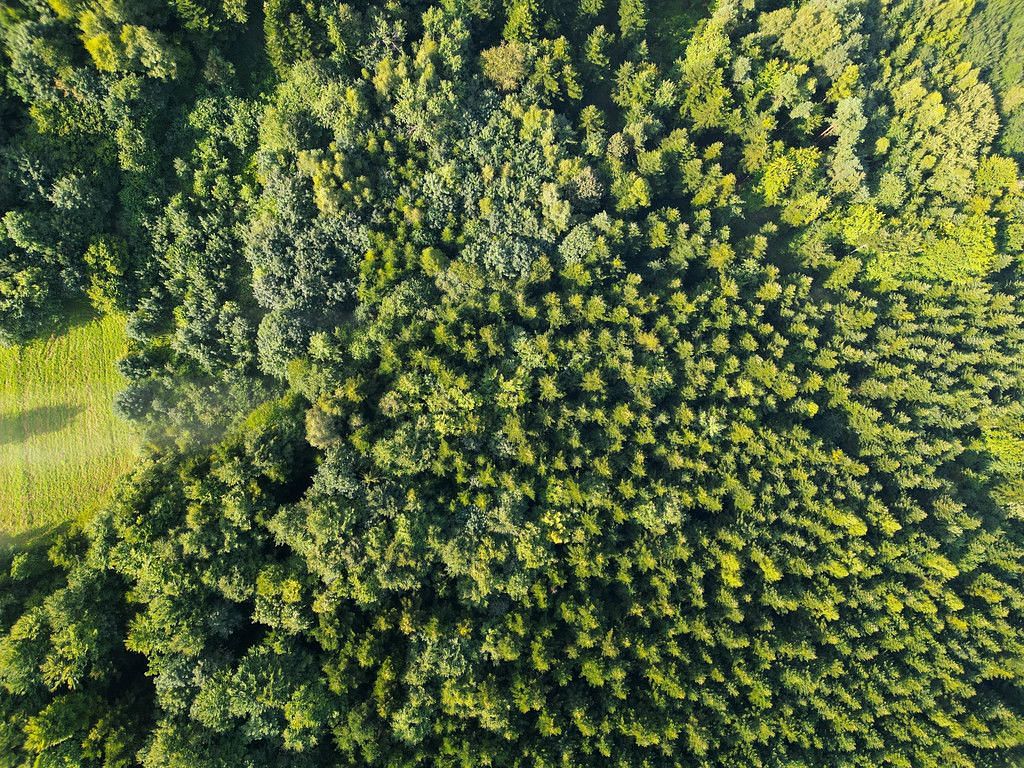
pixel 527 383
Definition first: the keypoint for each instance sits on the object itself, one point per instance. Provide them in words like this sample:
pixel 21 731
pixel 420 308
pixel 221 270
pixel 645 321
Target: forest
pixel 526 383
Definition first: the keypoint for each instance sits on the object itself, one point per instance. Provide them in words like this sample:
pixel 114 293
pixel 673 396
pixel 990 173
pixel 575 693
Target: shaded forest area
pixel 527 383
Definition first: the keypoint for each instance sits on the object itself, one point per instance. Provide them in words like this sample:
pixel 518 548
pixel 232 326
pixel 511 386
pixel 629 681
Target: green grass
pixel 61 445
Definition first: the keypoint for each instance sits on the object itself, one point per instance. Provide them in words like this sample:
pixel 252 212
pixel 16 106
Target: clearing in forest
pixel 61 445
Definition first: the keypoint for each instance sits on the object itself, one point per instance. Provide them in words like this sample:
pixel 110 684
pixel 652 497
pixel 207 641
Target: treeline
pixel 521 392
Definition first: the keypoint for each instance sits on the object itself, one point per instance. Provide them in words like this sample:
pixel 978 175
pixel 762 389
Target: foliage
pixel 993 36
pixel 521 392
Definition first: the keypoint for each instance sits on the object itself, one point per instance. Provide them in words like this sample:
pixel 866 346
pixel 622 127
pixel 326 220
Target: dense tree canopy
pixel 527 383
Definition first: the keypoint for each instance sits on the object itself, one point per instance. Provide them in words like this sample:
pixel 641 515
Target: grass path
pixel 61 446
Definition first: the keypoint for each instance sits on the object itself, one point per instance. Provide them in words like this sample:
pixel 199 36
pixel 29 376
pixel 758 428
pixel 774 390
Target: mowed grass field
pixel 61 446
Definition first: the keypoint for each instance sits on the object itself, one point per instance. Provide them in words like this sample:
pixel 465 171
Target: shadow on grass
pixel 38 539
pixel 15 427
pixel 73 314
pixel 59 320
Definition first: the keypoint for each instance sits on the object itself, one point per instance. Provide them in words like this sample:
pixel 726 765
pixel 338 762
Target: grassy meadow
pixel 61 445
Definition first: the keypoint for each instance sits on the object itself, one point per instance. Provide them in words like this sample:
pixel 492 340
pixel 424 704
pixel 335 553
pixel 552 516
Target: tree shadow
pixel 58 320
pixel 15 427
pixel 671 26
pixel 34 540
pixel 73 313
